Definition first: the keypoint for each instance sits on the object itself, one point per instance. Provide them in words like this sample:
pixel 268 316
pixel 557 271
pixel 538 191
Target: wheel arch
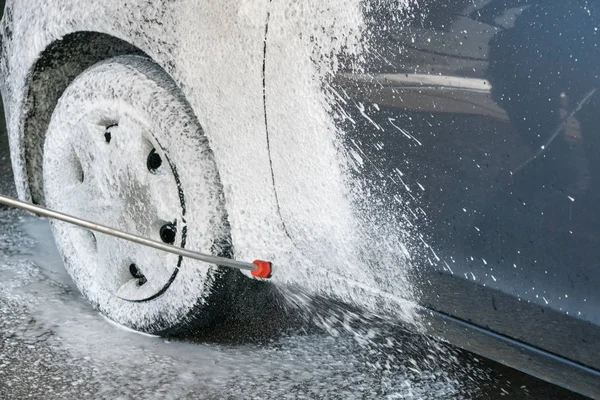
pixel 56 67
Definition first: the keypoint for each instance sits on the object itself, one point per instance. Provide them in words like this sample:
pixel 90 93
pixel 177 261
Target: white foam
pixel 340 244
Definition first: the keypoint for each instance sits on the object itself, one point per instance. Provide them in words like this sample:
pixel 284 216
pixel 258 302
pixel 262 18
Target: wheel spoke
pixel 150 263
pixel 138 147
pixel 85 147
pixel 84 201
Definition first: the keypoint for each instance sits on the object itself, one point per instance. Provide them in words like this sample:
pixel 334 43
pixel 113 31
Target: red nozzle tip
pixel 262 270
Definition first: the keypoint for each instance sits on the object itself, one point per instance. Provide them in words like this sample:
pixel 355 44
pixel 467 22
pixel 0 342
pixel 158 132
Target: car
pixel 434 162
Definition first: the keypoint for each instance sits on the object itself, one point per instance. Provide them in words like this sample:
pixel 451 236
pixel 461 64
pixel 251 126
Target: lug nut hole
pixel 154 161
pixel 108 134
pixel 77 167
pixel 168 232
pixel 93 240
pixel 137 274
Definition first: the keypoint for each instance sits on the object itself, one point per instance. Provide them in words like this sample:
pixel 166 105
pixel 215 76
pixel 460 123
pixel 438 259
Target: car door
pixel 488 111
pixel 474 126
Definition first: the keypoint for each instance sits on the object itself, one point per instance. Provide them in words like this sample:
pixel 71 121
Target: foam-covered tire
pixel 124 149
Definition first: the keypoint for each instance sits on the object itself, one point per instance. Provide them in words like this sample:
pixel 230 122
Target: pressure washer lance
pixel 258 268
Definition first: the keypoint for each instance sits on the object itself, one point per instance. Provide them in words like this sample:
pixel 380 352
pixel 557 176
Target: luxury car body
pixel 434 161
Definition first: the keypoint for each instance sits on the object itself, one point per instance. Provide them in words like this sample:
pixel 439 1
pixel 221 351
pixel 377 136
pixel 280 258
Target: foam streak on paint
pixel 332 219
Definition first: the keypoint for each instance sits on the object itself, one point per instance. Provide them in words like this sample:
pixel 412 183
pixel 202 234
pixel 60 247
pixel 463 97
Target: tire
pixel 124 149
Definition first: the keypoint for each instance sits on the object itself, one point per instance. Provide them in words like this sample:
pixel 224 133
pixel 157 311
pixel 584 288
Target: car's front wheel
pixel 124 149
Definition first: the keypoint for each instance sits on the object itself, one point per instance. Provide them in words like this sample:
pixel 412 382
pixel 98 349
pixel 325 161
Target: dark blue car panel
pixel 484 121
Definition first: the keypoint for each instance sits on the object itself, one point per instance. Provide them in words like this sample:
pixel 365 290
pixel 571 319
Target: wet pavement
pixel 53 345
